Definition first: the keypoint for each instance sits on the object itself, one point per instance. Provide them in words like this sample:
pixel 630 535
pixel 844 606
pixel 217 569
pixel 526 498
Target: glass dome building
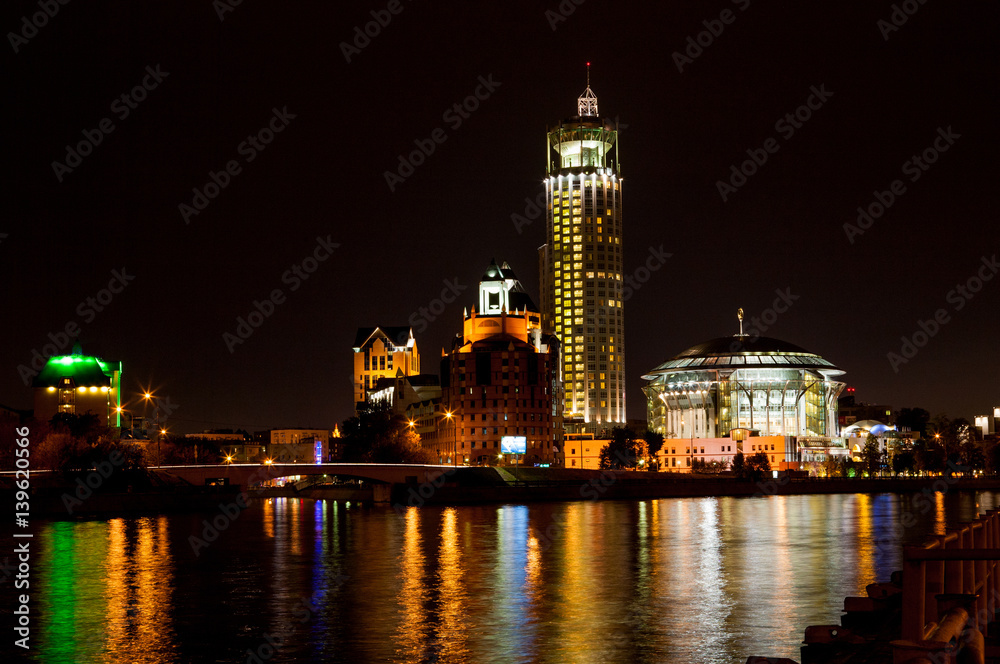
pixel 768 386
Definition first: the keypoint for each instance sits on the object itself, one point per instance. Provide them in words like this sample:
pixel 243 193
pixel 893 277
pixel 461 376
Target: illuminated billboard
pixel 513 444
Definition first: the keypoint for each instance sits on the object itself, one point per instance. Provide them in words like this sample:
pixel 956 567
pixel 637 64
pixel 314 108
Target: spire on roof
pixel 586 103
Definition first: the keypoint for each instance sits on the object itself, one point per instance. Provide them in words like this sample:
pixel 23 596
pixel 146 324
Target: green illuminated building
pixel 78 384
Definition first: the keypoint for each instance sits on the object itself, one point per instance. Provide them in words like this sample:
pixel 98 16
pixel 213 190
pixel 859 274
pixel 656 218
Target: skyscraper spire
pixel 586 103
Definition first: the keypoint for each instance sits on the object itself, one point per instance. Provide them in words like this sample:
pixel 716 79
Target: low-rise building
pixel 299 445
pixel 583 450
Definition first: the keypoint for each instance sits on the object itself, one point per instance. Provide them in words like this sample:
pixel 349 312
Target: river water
pixel 698 580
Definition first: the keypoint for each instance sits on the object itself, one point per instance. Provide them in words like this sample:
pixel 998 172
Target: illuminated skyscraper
pixel 580 264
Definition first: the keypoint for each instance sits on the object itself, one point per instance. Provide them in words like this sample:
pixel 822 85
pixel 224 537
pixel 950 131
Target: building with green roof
pixel 78 384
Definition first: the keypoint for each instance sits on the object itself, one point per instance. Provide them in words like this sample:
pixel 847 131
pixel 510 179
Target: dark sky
pixel 323 176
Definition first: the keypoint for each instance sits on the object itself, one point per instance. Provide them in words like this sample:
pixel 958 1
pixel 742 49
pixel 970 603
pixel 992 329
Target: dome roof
pixel 740 344
pixel 744 352
pixel 873 427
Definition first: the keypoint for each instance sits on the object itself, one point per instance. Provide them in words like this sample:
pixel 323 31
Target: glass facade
pixel 710 395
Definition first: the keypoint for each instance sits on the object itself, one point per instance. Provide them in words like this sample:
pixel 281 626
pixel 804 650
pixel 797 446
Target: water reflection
pixel 452 630
pixel 107 591
pixel 707 580
pixel 410 635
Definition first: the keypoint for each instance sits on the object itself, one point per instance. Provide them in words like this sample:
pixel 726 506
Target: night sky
pixel 886 94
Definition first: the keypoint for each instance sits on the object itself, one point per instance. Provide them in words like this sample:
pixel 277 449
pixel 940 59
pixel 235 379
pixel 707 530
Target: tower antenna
pixel 586 104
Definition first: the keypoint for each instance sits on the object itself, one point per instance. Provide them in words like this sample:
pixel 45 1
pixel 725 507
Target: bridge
pixel 247 474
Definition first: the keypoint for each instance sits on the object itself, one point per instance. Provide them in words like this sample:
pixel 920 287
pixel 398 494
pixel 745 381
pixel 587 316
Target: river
pixel 700 580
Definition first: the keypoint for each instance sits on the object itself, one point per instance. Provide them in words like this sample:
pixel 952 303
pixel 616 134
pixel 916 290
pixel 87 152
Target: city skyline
pixel 826 173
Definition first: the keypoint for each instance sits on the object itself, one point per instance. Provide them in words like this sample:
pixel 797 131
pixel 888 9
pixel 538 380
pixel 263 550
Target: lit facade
pixel 78 384
pixel 381 352
pixel 583 450
pixel 400 392
pixel 500 379
pixel 300 445
pixel 581 265
pixel 988 425
pixel 741 382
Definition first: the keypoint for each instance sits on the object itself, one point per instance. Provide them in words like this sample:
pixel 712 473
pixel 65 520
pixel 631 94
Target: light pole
pixel 120 410
pixel 454 441
pixel 437 429
pixel 159 461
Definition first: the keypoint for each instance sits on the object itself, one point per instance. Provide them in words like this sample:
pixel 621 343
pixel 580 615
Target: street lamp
pixel 454 441
pixel 131 426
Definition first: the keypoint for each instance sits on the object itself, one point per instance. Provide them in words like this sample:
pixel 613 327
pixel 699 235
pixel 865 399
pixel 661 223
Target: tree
pixel 914 419
pixel 904 462
pixel 398 446
pixel 871 455
pixel 832 466
pixel 758 467
pixel 739 465
pixel 973 456
pixel 375 435
pixel 928 456
pixel 624 451
pixel 654 441
pixel 993 458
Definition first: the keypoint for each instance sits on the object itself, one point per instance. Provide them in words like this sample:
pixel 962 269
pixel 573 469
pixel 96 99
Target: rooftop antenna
pixel 586 103
pixel 739 314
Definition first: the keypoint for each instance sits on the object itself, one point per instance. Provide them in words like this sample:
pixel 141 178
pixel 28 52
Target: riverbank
pixel 608 485
pixel 465 486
